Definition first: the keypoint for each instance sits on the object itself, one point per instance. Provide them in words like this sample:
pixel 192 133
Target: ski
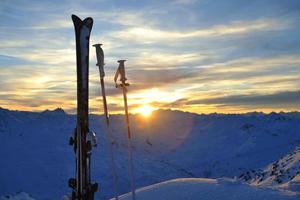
pixel 121 72
pixel 100 64
pixel 82 187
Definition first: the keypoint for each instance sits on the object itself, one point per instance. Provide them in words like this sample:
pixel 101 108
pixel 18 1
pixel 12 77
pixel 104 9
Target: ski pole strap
pixel 120 72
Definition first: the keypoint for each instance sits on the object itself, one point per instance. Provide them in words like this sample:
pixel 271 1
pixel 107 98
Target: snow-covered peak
pixel 57 111
pixel 282 171
pixel 276 116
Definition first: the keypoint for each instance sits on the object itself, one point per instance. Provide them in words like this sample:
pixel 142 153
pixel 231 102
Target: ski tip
pixel 75 18
pixel 121 61
pixel 88 22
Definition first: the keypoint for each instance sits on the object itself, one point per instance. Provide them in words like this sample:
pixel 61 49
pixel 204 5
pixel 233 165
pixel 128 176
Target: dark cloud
pixel 142 79
pixel 160 76
pixel 292 80
pixel 281 100
pixel 175 104
pixel 145 79
pixel 291 98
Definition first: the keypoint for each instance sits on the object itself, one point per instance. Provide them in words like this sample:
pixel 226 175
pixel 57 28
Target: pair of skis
pixel 83 139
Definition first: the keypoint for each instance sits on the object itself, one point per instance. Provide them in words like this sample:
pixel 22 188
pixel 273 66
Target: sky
pixel 202 56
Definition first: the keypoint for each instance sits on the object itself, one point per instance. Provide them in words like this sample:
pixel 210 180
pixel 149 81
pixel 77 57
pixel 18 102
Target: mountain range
pixel 261 150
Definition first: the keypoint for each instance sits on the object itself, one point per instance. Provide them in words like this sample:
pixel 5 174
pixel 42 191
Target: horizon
pixel 157 110
pixel 193 56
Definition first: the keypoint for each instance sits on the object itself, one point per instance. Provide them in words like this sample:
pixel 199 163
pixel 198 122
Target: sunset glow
pixel 226 63
pixel 145 110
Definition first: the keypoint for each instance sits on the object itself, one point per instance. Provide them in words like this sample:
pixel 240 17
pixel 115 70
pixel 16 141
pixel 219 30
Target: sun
pixel 145 110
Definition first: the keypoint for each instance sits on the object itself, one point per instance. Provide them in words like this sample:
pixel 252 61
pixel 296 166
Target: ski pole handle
pixel 100 59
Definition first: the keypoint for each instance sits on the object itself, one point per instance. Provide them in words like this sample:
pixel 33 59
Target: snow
pixel 292 185
pixel 174 145
pixel 19 196
pixel 283 173
pixel 206 189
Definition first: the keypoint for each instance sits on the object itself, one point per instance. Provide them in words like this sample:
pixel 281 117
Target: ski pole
pixel 121 72
pixel 100 64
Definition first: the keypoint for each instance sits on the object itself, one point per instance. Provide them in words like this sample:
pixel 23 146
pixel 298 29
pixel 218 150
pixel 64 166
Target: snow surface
pixel 174 145
pixel 206 189
pixel 18 196
pixel 292 185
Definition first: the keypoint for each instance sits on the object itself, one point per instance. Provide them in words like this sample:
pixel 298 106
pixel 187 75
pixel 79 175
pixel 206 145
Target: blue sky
pixel 199 56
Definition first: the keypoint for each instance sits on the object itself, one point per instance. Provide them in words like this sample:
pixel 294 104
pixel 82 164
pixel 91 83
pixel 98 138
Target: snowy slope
pixel 206 189
pixel 219 145
pixel 283 173
pixel 18 196
pixel 174 145
pixel 292 185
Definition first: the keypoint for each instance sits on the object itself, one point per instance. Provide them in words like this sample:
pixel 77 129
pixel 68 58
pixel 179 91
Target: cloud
pixel 249 70
pixel 159 76
pixel 121 17
pixel 13 43
pixel 280 101
pixel 6 61
pixel 156 59
pixel 177 52
pixel 184 2
pixel 287 98
pixel 56 57
pixel 148 34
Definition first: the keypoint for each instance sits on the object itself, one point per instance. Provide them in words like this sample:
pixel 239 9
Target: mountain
pixel 283 173
pixel 167 145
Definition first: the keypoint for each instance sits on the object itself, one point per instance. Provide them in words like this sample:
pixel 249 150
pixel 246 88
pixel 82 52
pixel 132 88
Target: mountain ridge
pixel 251 113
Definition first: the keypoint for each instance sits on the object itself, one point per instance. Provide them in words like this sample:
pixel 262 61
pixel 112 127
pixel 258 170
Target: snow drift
pixel 18 196
pixel 206 189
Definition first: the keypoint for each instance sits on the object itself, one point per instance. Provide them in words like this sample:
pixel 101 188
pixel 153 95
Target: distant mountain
pixel 167 145
pixel 57 111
